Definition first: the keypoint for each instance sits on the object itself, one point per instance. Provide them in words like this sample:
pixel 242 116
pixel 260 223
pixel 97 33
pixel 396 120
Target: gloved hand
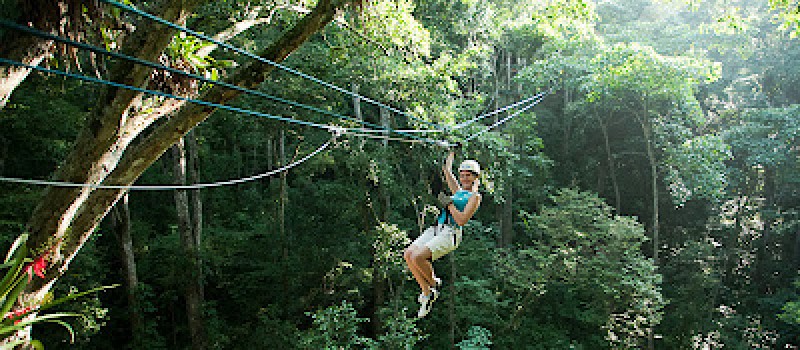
pixel 444 200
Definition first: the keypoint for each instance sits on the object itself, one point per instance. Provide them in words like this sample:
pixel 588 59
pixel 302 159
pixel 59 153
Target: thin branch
pixel 242 26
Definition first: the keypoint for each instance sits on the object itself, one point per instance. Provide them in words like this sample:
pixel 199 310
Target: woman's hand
pixel 444 200
pixel 447 170
pixel 448 163
pixel 475 185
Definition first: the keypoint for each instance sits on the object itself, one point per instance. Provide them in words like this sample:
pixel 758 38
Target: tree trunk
pixel 3 154
pixel 67 18
pixel 566 149
pixel 357 112
pixel 648 133
pixel 26 49
pixel 122 228
pixel 196 238
pixel 193 276
pixel 65 217
pixel 387 202
pixel 797 249
pixel 612 167
pixel 653 185
pixel 507 211
pixel 452 308
pixel 507 217
pixel 764 271
pixel 193 167
pixel 102 153
pixel 284 199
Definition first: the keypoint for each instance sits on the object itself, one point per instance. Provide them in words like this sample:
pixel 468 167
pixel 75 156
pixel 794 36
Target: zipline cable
pixel 389 138
pixel 499 122
pixel 95 49
pixel 264 60
pixel 540 96
pixel 499 110
pixel 175 187
pixel 331 128
pixel 168 95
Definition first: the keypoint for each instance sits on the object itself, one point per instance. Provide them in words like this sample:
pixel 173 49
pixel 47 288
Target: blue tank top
pixel 460 199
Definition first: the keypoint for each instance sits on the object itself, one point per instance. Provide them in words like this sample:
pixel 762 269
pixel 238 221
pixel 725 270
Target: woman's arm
pixel 462 217
pixel 447 169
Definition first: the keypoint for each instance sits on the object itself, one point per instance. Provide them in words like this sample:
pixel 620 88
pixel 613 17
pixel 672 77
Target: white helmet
pixel 470 165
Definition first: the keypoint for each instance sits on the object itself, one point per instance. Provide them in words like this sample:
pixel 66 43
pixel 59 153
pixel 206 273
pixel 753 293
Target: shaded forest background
pixel 650 201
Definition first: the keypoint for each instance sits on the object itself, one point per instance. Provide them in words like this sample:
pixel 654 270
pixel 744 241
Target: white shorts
pixel 440 239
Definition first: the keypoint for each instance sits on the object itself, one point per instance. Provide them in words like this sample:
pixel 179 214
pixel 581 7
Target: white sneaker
pixel 426 302
pixel 438 283
pixel 425 305
pixel 434 294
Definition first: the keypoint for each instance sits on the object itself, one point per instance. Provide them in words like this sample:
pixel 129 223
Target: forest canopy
pixel 639 173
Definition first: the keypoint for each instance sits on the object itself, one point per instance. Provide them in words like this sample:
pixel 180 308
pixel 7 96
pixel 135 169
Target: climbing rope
pixel 176 187
pixel 264 60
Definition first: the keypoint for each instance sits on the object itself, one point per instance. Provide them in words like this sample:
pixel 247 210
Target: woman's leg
pixel 422 261
pixel 411 255
pixel 412 266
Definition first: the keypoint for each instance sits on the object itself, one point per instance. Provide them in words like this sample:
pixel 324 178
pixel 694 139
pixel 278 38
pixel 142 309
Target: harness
pixel 447 222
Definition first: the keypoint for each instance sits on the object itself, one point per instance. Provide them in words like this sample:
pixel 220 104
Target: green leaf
pixel 18 245
pixel 11 295
pixel 74 296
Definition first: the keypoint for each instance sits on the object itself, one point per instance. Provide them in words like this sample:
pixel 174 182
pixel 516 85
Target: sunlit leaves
pixel 766 136
pixel 389 242
pixel 696 168
pixel 580 243
pixel 336 327
pixel 392 22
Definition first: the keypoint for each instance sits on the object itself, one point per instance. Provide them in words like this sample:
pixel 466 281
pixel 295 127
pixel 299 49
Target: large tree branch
pixel 138 158
pixel 249 76
pixel 168 106
pixel 28 50
pixel 100 144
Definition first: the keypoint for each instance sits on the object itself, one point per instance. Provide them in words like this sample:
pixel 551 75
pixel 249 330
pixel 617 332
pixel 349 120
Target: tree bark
pixel 195 199
pixel 507 217
pixel 26 49
pixel 648 133
pixel 66 217
pixel 764 271
pixel 122 228
pixel 284 199
pixel 67 18
pixel 452 308
pixel 796 249
pixel 612 166
pixel 3 154
pixel 357 111
pixel 193 290
pixel 506 211
pixel 653 186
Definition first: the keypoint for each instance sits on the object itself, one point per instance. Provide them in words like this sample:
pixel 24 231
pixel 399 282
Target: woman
pixel 441 239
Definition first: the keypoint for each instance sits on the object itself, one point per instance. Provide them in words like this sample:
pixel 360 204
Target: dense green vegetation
pixel 651 201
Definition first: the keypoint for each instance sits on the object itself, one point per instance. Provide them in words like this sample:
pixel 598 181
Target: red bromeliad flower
pixel 36 267
pixel 18 313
